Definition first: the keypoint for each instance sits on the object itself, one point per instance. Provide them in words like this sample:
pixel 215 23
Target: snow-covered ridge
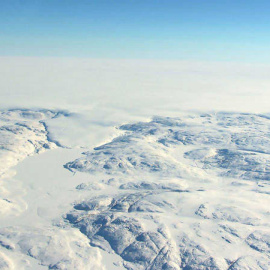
pixel 23 133
pixel 236 144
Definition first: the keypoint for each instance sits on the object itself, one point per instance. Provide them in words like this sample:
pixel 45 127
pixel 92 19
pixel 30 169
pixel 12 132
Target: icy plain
pixel 145 187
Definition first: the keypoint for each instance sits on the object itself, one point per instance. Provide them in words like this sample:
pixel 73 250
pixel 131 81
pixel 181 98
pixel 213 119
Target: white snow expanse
pixel 134 165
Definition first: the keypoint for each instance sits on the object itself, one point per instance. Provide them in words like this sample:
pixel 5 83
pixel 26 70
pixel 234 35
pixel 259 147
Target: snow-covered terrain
pixel 134 165
pixel 193 193
pixel 187 192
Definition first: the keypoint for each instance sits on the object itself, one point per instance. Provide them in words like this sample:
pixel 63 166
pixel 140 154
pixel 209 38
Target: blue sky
pixel 232 30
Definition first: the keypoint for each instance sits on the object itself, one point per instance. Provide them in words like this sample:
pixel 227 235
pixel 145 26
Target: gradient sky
pixel 212 30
